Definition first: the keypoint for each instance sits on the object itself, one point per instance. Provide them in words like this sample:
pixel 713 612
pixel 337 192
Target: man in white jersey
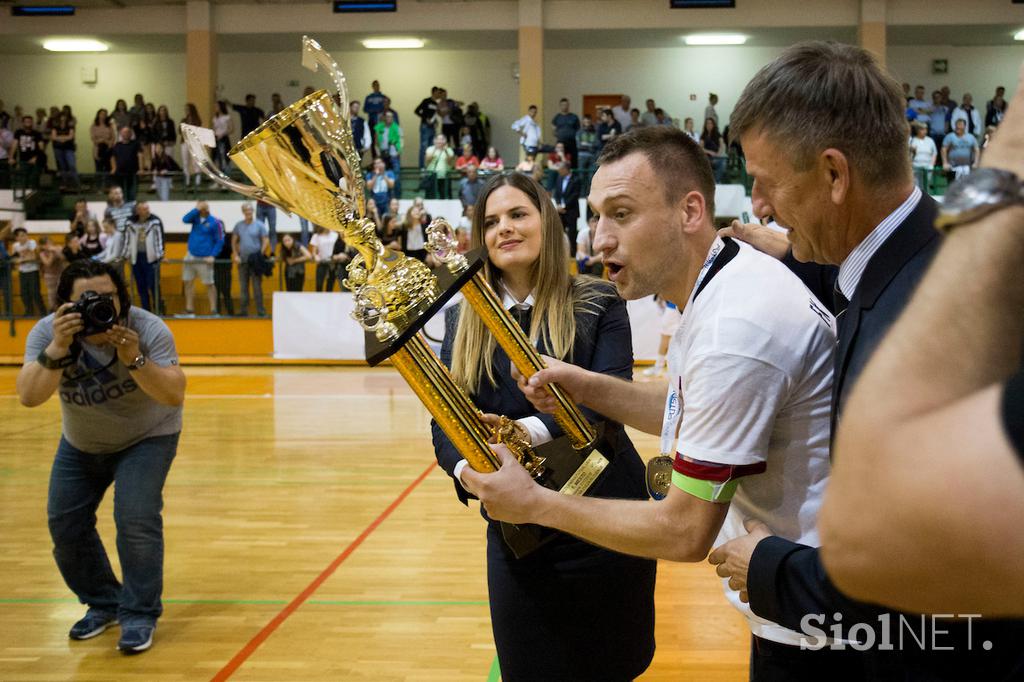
pixel 748 390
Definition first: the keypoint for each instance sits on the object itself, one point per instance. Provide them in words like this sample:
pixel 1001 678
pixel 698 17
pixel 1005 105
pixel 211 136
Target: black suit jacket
pixel 786 581
pixel 570 197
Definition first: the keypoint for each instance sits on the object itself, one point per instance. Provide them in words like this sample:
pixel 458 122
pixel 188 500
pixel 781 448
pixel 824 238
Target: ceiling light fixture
pixel 74 45
pixel 392 43
pixel 716 39
pixel 1019 35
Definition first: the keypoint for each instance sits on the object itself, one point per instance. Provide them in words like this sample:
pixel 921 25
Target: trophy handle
pixel 197 139
pixel 313 56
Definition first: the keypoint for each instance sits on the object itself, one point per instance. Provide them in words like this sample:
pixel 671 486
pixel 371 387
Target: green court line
pixel 495 673
pixel 257 602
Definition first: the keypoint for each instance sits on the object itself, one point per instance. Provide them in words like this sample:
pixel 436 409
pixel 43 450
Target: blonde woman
pixel 570 610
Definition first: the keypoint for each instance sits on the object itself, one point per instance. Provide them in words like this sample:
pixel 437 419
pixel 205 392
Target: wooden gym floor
pixel 310 536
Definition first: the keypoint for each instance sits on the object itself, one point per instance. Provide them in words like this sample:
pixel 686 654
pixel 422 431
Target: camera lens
pixel 103 312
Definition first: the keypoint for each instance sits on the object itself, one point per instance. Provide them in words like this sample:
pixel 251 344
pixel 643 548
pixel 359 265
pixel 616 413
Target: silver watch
pixel 983 191
pixel 138 362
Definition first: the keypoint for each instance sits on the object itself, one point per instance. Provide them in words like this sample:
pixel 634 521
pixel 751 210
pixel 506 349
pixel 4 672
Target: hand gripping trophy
pixel 304 161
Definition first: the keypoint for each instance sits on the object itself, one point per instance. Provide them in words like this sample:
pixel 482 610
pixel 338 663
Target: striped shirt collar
pixel 853 267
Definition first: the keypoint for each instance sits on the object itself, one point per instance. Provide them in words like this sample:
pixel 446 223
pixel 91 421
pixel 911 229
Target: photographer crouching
pixel 116 370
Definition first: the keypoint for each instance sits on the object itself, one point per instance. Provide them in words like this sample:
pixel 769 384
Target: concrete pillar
pixel 201 59
pixel 871 29
pixel 531 58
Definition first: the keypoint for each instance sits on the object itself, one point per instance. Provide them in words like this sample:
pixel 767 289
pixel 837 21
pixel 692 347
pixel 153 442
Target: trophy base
pixel 567 470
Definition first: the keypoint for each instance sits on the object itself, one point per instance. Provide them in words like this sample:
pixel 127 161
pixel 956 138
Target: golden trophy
pixel 304 161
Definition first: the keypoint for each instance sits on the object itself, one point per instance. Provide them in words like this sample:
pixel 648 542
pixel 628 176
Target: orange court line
pixel 235 663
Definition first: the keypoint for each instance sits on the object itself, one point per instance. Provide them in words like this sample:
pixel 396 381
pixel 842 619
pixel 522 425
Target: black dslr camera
pixel 97 311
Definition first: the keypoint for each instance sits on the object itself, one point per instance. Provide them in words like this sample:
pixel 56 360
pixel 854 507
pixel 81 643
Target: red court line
pixel 254 643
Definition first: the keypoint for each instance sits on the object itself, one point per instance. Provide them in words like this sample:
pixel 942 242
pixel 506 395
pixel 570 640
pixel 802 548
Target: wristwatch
pixel 138 362
pixel 49 363
pixel 978 194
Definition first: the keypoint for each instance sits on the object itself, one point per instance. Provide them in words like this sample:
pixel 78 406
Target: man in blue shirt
pixel 249 242
pixel 373 105
pixel 566 124
pixel 205 241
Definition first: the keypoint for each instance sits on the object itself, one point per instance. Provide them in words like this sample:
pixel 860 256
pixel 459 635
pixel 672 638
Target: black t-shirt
pixel 1013 412
pixel 28 144
pixel 126 154
pixel 250 117
pixel 426 110
pixel 70 144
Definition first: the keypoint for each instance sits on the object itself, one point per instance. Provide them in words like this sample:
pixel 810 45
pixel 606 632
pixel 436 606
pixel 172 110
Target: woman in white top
pixel 923 155
pixel 322 247
pixel 223 127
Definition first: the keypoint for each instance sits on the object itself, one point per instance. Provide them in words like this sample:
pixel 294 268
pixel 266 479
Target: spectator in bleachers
pixel 493 162
pixel 373 104
pixel 138 110
pixel 113 244
pixel 426 110
pixel 360 133
pixel 566 195
pixel 662 118
pixel 163 167
pixel 293 256
pixel 121 116
pixel 391 232
pixel 380 183
pixel 92 240
pixel 529 130
pixel 42 126
pixel 588 262
pixel 72 250
pixel 144 249
pixel 276 103
pixel 995 108
pixel 621 112
pixel 607 129
pixel 28 145
pixel 648 118
pixel 470 186
pixel 222 267
pixel 7 149
pixel 190 166
pixel 634 120
pixel 223 128
pixel 62 135
pixel 250 241
pixel 164 130
pixel 714 147
pixel 968 113
pixel 144 134
pixel 923 155
pixel 465 138
pixel 479 128
pixel 26 255
pixel 466 159
pixel 5 118
pixel 439 159
pixel 205 241
pixel 321 245
pixel 709 110
pixel 586 144
pixel 689 130
pixel 559 155
pixel 565 125
pixel 103 137
pixel 127 163
pixel 922 109
pixel 80 217
pixel 528 165
pixel 51 264
pixel 118 210
pixel 451 117
pixel 388 137
pixel 938 121
pixel 960 151
pixel 250 116
pixel 414 236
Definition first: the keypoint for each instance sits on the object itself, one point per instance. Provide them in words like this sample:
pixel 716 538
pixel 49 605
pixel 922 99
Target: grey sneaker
pixel 92 624
pixel 136 638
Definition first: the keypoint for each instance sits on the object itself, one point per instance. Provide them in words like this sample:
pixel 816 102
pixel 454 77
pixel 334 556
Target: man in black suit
pixel 825 140
pixel 567 199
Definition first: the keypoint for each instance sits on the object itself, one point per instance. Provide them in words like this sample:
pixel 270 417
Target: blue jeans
pixel 146 276
pixel 66 165
pixel 304 231
pixel 427 135
pixel 78 482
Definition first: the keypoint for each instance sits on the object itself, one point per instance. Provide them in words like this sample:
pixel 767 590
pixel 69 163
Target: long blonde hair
pixel 558 296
